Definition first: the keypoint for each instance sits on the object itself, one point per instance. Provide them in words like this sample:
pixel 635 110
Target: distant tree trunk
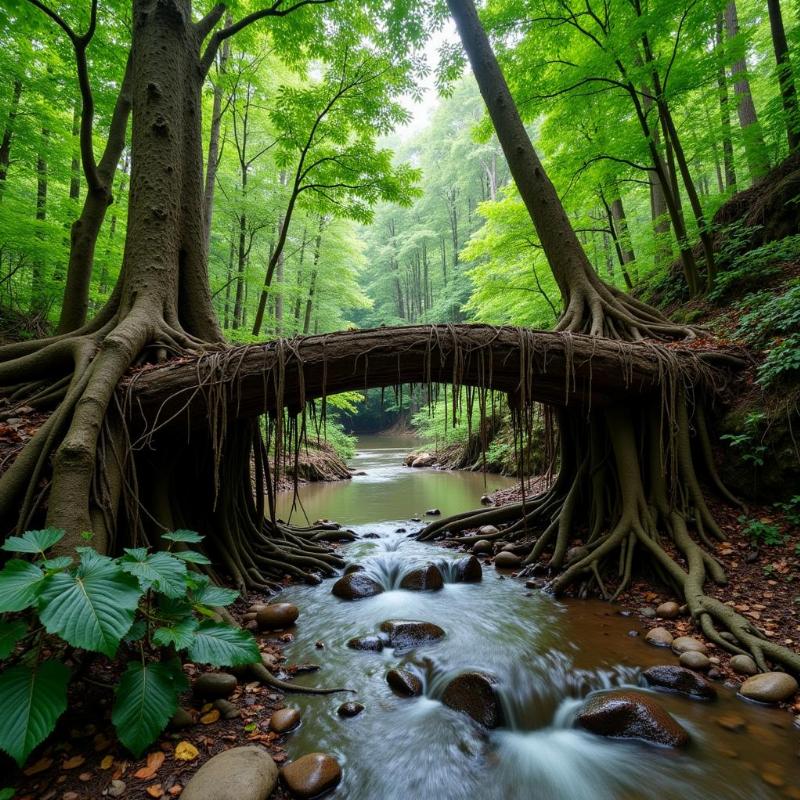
pixel 785 77
pixel 754 145
pixel 725 118
pixel 300 278
pixel 443 251
pixel 617 224
pixel 38 305
pixel 312 284
pixel 8 133
pixel 75 163
pixel 112 230
pixel 279 272
pixel 229 279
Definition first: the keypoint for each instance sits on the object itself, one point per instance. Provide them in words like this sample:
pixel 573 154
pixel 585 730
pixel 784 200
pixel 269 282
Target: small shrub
pixel 761 531
pixel 146 606
pixel 749 441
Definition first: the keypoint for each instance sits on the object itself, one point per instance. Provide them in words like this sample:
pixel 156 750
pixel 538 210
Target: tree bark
pixel 8 133
pixel 725 118
pixel 785 76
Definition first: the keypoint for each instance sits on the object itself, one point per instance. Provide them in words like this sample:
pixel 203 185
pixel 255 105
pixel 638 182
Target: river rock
pixel 743 665
pixel 769 687
pixel 660 637
pixel 628 715
pixel 683 644
pixel 433 512
pixel 424 579
pixel 284 720
pixel 668 610
pixel 356 586
pixel 473 693
pixel 648 613
pixel 506 560
pixel 311 775
pixel 227 709
pixel 691 659
pixel 404 682
pixel 181 719
pixel 481 547
pixel 486 500
pixel 277 615
pixel 423 460
pixel 468 570
pixel 404 634
pixel 680 679
pixel 350 709
pixel 211 685
pixel 243 773
pixel 372 644
pixel 351 568
pixel 488 530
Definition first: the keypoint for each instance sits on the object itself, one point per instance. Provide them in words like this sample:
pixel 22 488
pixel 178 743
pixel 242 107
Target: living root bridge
pixel 558 369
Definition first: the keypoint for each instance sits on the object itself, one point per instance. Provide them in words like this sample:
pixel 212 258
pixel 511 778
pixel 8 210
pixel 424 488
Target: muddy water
pixel 547 656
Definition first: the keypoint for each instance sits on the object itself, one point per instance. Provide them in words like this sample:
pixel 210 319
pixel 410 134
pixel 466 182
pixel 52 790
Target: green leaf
pixel 93 607
pixel 161 571
pixel 53 564
pixel 20 585
pixel 190 537
pixel 147 696
pixel 181 635
pixel 32 698
pixel 136 632
pixel 7 794
pixel 10 634
pixel 205 593
pixel 192 556
pixel 222 645
pixel 33 541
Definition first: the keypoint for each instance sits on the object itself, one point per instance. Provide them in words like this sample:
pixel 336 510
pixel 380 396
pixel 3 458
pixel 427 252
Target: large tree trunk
pixel 8 133
pixel 785 76
pixel 725 119
pixel 754 145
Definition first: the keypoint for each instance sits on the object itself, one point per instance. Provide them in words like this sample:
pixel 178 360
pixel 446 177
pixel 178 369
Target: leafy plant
pixel 749 442
pixel 790 509
pixel 761 531
pixel 145 604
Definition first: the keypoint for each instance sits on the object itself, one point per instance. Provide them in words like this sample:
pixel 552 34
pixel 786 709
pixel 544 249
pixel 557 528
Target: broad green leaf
pixel 180 635
pixel 222 645
pixel 136 632
pixel 161 571
pixel 20 585
pixel 205 593
pixel 190 537
pixel 192 556
pixel 147 696
pixel 32 698
pixel 10 634
pixel 7 794
pixel 33 541
pixel 93 607
pixel 53 564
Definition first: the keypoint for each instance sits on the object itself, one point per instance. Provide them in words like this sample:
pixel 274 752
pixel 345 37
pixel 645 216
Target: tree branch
pixel 209 21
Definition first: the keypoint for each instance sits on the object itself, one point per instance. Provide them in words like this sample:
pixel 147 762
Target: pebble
pixel 370 643
pixel 743 665
pixel 769 687
pixel 211 685
pixel 284 720
pixel 488 530
pixel 311 775
pixel 668 610
pixel 660 637
pixel 242 773
pixel 433 512
pixel 648 613
pixel 277 615
pixel 683 644
pixel 350 709
pixel 693 659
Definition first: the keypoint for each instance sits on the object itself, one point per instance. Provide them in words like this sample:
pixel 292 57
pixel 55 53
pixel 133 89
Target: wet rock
pixel 243 773
pixel 473 693
pixel 181 719
pixel 351 568
pixel 482 546
pixel 433 512
pixel 731 722
pixel 372 644
pixel 743 665
pixel 415 519
pixel 683 644
pixel 311 775
pixel 404 682
pixel 668 610
pixel 628 715
pixel 356 586
pixel 423 460
pixel 486 500
pixel 227 709
pixel 507 560
pixel 769 687
pixel 399 530
pixel 284 720
pixel 660 637
pixel 370 536
pixel 350 709
pixel 648 613
pixel 277 615
pixel 691 659
pixel 211 685
pixel 488 530
pixel 468 570
pixel 407 633
pixel 424 579
pixel 680 679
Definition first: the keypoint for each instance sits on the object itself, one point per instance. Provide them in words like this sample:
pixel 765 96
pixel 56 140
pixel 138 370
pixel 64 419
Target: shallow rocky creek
pixel 547 658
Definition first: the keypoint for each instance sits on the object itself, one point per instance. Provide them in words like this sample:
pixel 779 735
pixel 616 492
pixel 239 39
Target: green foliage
pixel 761 531
pixel 790 510
pixel 145 604
pixel 749 442
pixel 751 268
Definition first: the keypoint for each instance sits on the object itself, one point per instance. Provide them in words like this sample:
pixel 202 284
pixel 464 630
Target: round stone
pixel 404 682
pixel 311 775
pixel 488 530
pixel 680 679
pixel 405 634
pixel 277 615
pixel 648 613
pixel 668 610
pixel 349 709
pixel 284 720
pixel 473 693
pixel 482 546
pixel 243 773
pixel 660 637
pixel 467 570
pixel 424 579
pixel 212 685
pixel 351 568
pixel 369 643
pixel 692 659
pixel 683 644
pixel 506 560
pixel 769 687
pixel 356 586
pixel 743 665
pixel 433 512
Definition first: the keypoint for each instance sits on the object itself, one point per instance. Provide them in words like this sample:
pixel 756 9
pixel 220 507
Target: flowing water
pixel 547 656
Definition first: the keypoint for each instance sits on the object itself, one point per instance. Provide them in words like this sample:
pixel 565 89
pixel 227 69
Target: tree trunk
pixel 8 133
pixel 725 118
pixel 785 76
pixel 754 145
pixel 38 304
pixel 75 162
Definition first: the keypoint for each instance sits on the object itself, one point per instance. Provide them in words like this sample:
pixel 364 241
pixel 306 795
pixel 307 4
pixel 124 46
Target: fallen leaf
pixel 212 716
pixel 107 762
pixel 176 790
pixel 155 790
pixel 73 762
pixel 186 751
pixel 154 762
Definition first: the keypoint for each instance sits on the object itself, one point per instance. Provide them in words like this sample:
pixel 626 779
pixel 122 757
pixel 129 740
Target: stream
pixel 547 656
